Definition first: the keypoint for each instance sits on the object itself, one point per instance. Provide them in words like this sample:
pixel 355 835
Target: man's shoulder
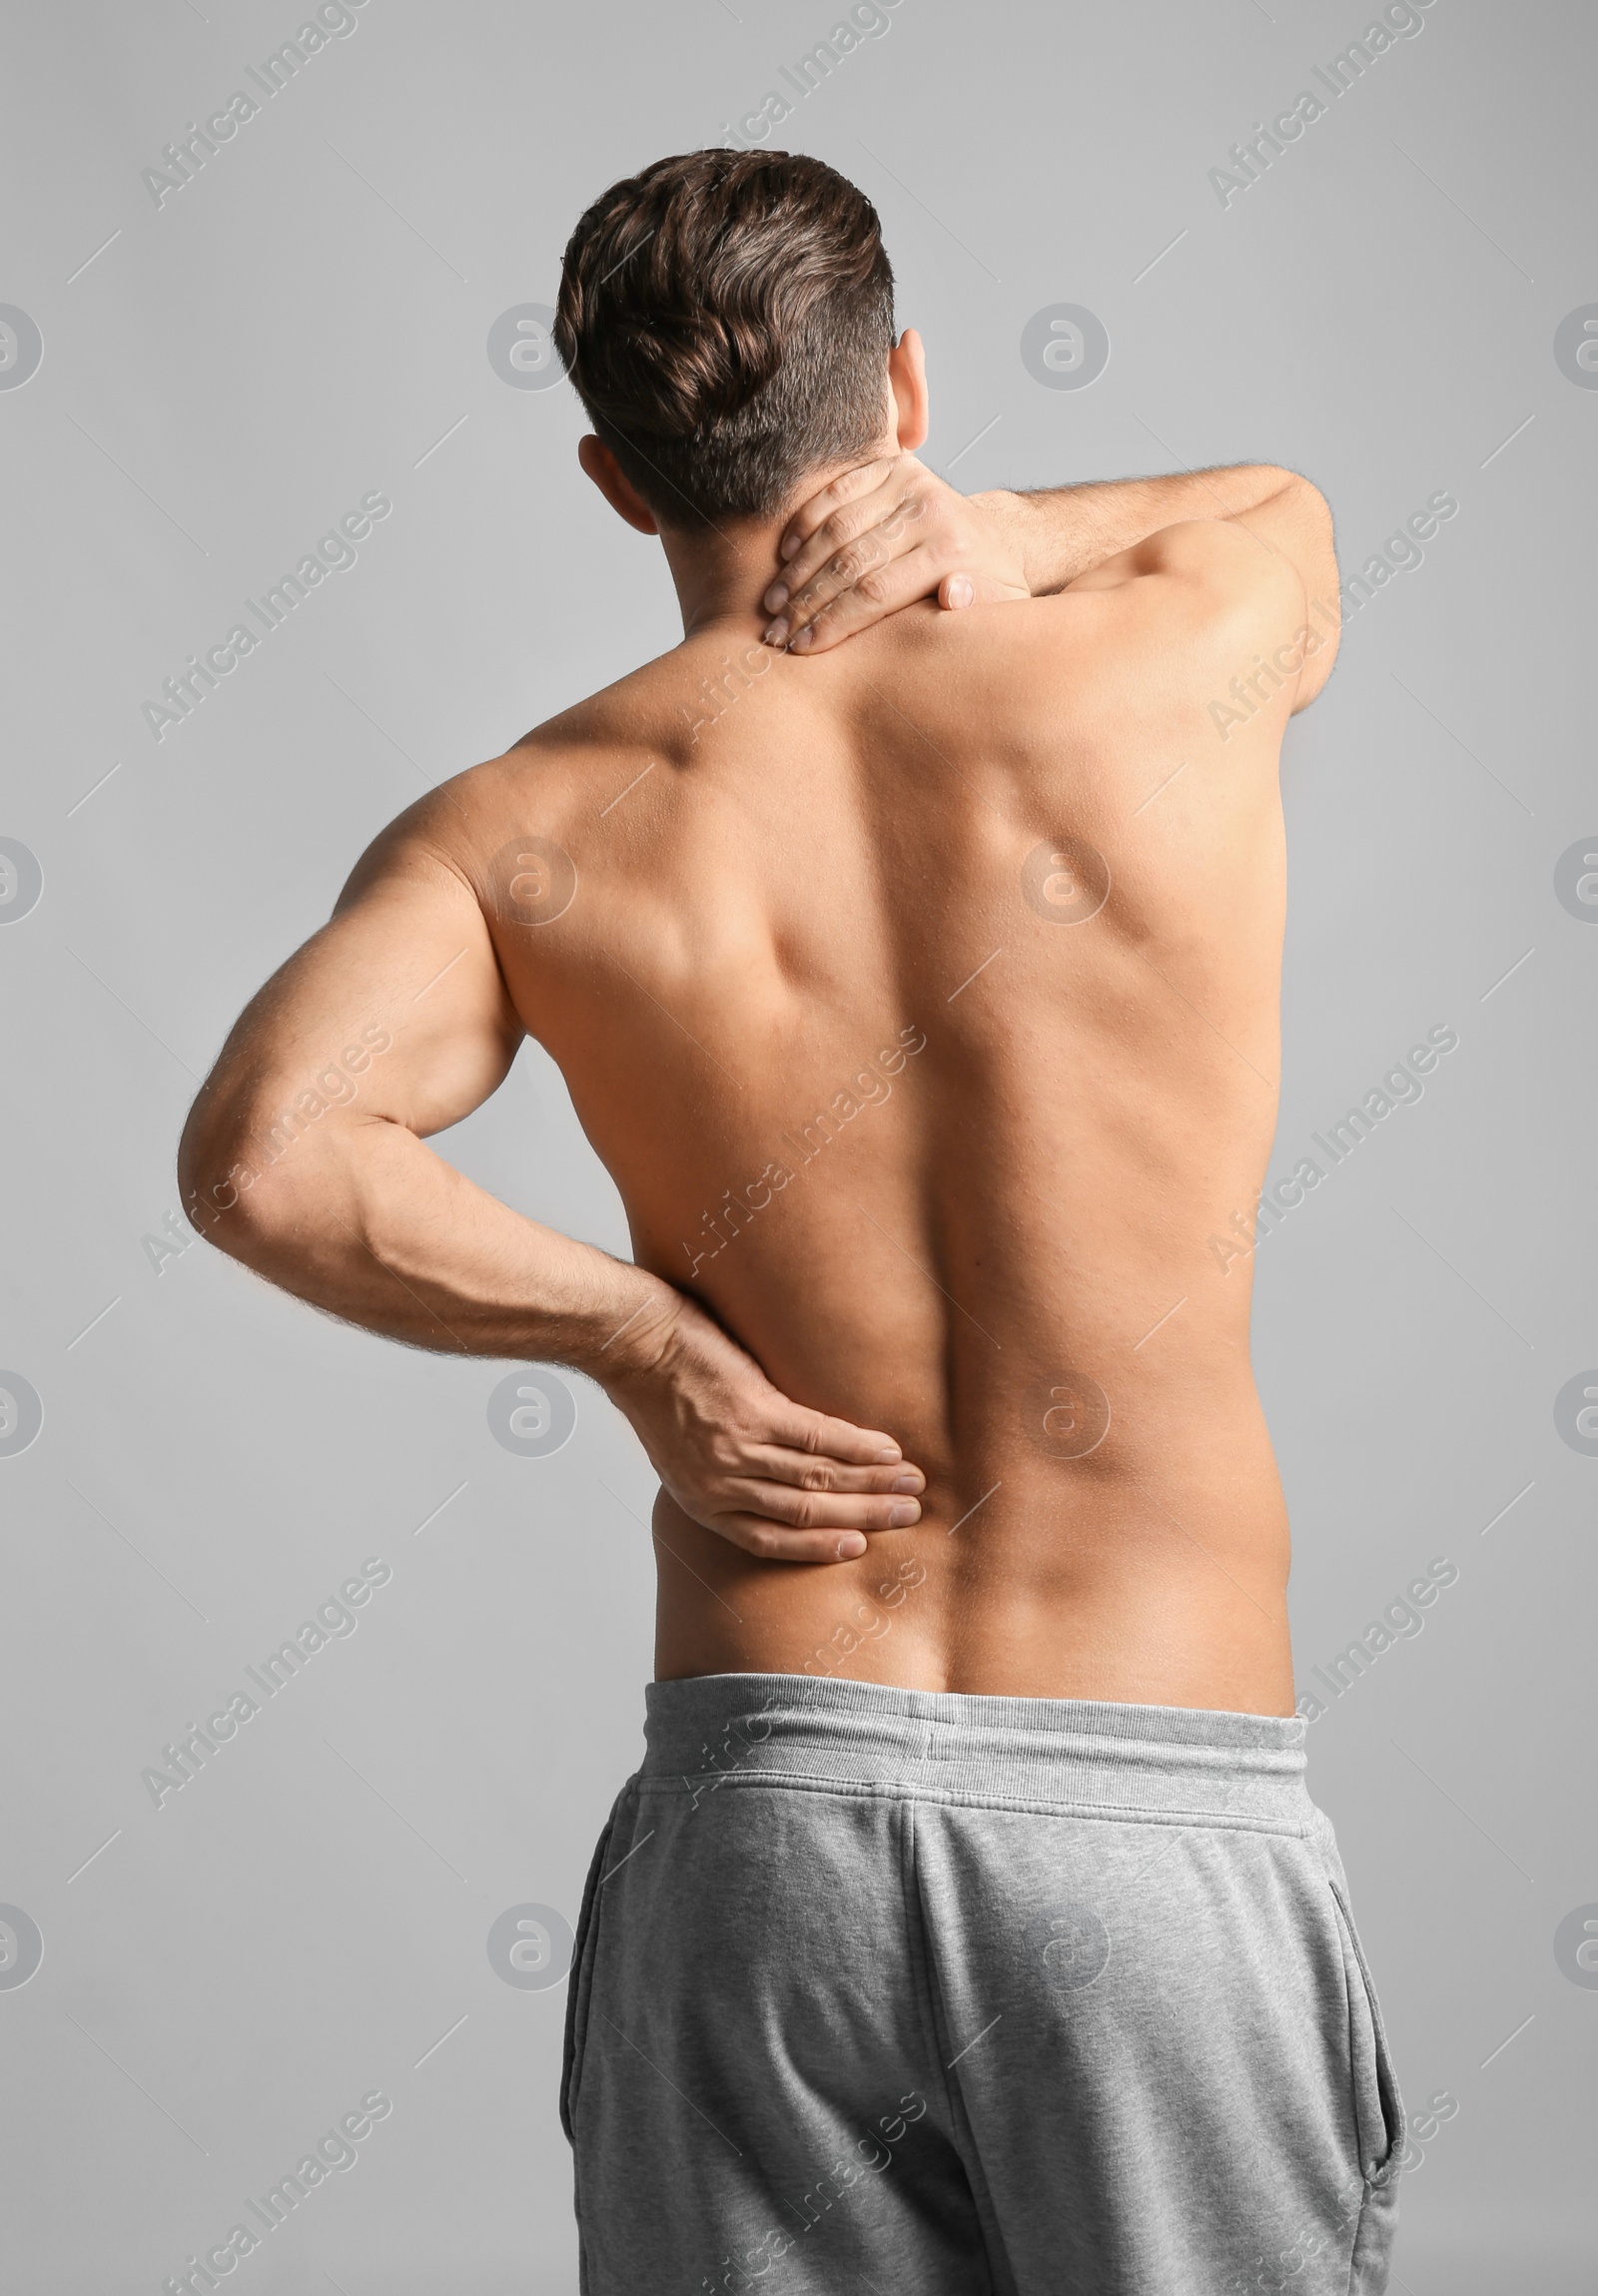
pixel 1181 601
pixel 1201 573
pixel 1133 654
pixel 1185 593
pixel 647 710
pixel 550 787
pixel 560 782
pixel 567 778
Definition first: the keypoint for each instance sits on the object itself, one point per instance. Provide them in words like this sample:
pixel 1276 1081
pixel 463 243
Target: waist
pixel 1126 1596
pixel 1089 1754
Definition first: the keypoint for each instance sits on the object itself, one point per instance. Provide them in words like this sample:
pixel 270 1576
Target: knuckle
pixel 817 1476
pixel 872 589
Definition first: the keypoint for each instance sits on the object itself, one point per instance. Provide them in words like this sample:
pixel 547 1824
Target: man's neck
pixel 723 571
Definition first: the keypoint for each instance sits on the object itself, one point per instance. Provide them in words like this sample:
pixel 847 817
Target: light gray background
pixel 307 1920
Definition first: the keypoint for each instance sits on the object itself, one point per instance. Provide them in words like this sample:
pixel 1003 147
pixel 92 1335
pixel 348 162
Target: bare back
pixel 921 1001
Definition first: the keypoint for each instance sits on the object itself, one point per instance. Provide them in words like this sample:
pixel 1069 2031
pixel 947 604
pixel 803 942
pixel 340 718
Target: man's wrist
pixel 1009 516
pixel 646 1312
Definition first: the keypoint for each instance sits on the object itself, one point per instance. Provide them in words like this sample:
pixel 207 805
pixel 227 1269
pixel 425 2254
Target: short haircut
pixel 726 318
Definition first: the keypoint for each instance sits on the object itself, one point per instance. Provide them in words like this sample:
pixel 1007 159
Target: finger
pixel 809 1473
pixel 823 1510
pixel 877 594
pixel 847 489
pixel 879 510
pixel 819 1435
pixel 977 590
pixel 898 536
pixel 882 590
pixel 773 1542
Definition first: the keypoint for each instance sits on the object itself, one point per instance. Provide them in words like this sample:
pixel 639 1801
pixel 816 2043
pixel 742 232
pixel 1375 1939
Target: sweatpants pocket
pixel 580 1982
pixel 1379 2113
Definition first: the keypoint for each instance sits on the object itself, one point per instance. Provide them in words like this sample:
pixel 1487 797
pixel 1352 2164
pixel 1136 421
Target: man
pixel 909 940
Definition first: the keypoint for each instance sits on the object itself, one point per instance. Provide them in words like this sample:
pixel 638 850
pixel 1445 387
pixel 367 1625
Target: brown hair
pixel 726 318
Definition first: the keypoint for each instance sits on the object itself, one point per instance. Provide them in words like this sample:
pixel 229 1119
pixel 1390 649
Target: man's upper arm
pixel 395 1011
pixel 1273 569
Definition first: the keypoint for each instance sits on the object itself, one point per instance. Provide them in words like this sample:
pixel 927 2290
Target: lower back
pixel 933 1055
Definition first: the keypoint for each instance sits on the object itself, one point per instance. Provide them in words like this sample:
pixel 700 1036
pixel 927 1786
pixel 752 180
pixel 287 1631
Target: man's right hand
pixel 781 1481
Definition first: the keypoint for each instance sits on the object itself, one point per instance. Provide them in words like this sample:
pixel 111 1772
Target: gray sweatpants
pixel 912 1994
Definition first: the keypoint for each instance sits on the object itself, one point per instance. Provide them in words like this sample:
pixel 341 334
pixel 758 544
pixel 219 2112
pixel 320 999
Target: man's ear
pixel 907 378
pixel 612 482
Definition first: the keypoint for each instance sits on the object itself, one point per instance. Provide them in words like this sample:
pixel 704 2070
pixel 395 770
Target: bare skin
pixel 919 990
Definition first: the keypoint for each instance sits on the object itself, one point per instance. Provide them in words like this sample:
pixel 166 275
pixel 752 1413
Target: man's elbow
pixel 1307 535
pixel 231 1191
pixel 1311 517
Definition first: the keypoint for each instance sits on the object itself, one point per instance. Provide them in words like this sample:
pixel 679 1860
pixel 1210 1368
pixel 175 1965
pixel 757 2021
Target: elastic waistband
pixel 740 1726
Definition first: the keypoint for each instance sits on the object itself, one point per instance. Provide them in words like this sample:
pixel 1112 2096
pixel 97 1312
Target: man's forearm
pixel 376 1229
pixel 373 1226
pixel 1060 532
